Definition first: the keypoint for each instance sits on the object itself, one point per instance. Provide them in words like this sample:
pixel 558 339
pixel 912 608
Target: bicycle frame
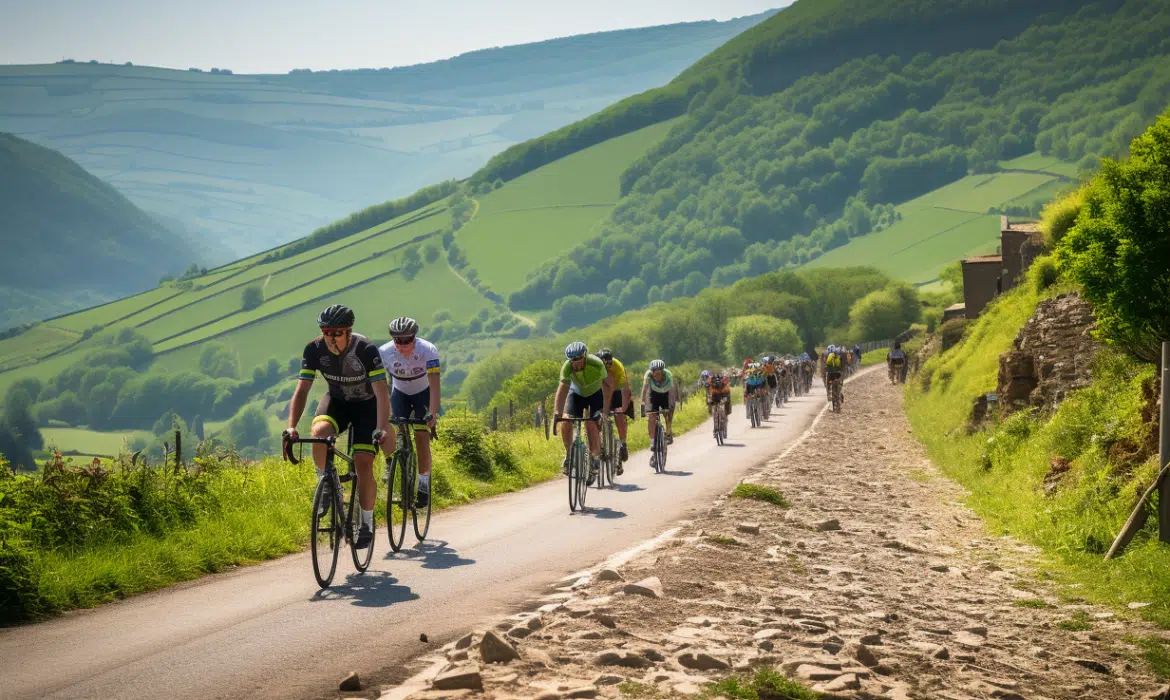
pixel 578 449
pixel 330 472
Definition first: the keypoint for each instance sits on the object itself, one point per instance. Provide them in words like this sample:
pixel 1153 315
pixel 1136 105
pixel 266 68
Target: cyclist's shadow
pixel 431 554
pixel 372 589
pixel 602 512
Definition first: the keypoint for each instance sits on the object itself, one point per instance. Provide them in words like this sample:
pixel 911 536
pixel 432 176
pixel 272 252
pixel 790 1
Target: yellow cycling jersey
pixel 618 371
pixel 833 360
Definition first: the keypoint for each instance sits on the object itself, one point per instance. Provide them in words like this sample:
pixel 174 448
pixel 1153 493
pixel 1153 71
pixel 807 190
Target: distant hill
pixel 70 239
pixel 254 161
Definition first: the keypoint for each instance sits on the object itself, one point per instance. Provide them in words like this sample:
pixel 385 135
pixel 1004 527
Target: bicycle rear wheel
pixel 396 501
pixel 361 557
pixel 420 517
pixel 325 532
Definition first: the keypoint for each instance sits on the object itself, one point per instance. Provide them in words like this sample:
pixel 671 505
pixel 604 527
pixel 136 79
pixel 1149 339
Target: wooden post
pixel 511 410
pixel 495 417
pixel 178 451
pixel 1164 448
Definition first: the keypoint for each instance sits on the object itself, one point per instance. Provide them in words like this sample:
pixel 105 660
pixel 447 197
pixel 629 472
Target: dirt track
pixel 877 582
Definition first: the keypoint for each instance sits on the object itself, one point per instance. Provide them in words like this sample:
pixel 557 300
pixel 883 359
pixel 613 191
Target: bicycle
pixel 610 457
pixel 579 458
pixel 766 403
pixel 658 444
pixel 329 502
pixel 719 416
pixel 754 412
pixel 402 485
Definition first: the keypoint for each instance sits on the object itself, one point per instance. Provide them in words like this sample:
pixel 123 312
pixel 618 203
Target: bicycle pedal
pixel 345 477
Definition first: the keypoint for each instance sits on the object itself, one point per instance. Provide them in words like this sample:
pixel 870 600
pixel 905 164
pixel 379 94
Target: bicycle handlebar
pixel 404 422
pixel 289 442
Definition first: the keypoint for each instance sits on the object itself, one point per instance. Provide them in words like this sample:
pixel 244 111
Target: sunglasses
pixel 334 332
pixel 405 340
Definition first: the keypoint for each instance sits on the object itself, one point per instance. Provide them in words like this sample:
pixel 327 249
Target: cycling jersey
pixel 588 381
pixel 769 370
pixel 896 356
pixel 755 381
pixel 723 388
pixel 410 373
pixel 661 387
pixel 833 360
pixel 351 374
pixel 618 371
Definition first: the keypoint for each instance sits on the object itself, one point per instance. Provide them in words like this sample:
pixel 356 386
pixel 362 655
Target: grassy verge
pixel 1004 467
pixel 226 514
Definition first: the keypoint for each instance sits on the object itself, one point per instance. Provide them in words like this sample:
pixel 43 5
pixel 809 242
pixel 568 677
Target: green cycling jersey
pixel 588 381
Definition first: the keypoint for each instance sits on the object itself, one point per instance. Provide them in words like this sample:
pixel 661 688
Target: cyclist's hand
pixel 380 436
pixel 430 419
pixel 290 434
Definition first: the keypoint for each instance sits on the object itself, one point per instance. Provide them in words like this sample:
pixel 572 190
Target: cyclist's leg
pixel 365 421
pixel 330 420
pixel 573 406
pixel 415 407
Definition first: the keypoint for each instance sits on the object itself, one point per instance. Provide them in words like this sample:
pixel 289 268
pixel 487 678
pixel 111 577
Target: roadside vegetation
pixel 1101 442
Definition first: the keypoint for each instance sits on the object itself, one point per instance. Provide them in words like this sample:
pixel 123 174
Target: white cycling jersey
pixel 410 373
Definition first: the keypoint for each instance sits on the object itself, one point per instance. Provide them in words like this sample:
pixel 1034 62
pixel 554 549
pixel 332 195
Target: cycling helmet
pixel 403 325
pixel 336 316
pixel 605 354
pixel 755 366
pixel 705 375
pixel 897 346
pixel 576 350
pixel 657 366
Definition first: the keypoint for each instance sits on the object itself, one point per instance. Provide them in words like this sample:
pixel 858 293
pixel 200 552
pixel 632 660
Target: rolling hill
pixel 257 160
pixel 70 239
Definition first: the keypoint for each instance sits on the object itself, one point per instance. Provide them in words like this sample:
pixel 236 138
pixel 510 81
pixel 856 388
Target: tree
pixel 884 314
pixel 249 427
pixel 252 297
pixel 748 336
pixel 217 360
pixel 432 251
pixel 1118 248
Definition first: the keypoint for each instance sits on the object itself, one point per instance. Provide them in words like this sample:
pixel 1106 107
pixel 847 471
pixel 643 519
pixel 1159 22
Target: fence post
pixel 1164 448
pixel 178 451
pixel 511 411
pixel 495 417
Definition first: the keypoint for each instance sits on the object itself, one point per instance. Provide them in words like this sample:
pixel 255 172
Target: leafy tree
pixel 217 360
pixel 748 336
pixel 432 251
pixel 1120 243
pixel 252 297
pixel 249 427
pixel 884 314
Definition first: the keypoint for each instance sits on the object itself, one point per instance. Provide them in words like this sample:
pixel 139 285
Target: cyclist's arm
pixel 433 381
pixel 607 389
pixel 562 394
pixel 296 406
pixel 382 396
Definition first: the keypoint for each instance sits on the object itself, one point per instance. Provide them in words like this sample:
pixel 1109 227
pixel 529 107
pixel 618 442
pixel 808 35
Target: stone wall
pixel 1052 355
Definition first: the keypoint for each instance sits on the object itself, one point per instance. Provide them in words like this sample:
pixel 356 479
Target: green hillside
pixel 68 237
pixel 821 124
pixel 257 160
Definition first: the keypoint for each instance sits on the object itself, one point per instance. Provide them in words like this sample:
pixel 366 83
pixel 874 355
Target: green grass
pixel 766 494
pixel 765 683
pixel 90 442
pixel 1079 622
pixel 1031 603
pixel 1004 467
pixel 1156 652
pixel 34 344
pixel 724 540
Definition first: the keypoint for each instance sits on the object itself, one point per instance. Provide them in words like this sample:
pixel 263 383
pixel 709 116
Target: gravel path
pixel 876 582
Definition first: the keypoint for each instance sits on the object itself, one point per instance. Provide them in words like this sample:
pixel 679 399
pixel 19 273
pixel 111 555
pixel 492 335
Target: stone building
pixel 987 276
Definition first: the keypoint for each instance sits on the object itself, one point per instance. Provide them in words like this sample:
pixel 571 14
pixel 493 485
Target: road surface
pixel 266 631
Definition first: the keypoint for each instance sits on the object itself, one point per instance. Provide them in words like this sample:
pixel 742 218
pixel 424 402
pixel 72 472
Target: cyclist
pixel 622 394
pixel 769 368
pixel 754 385
pixel 705 379
pixel 718 389
pixel 834 366
pixel 358 396
pixel 896 362
pixel 585 384
pixel 659 392
pixel 413 363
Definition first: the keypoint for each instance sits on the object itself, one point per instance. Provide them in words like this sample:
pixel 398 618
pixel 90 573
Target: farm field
pixel 946 224
pixel 91 442
pixel 1040 162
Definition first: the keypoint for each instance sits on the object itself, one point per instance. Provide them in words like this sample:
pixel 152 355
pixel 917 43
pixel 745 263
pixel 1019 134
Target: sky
pixel 274 36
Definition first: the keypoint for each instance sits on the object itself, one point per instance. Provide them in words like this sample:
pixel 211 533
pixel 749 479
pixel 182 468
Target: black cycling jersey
pixel 350 374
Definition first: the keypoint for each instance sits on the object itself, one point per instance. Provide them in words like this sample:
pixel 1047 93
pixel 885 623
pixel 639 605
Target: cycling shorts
pixel 578 404
pixel 410 406
pixel 659 400
pixel 362 415
pixel 771 381
pixel 833 373
pixel 616 400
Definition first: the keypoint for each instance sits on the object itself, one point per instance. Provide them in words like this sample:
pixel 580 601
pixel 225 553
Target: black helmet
pixel 575 350
pixel 605 354
pixel 403 325
pixel 336 316
pixel 897 345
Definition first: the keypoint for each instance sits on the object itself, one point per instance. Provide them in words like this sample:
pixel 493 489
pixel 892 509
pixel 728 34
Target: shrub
pixel 465 433
pixel 1043 273
pixel 1059 215
pixel 252 297
pixel 951 332
pixel 749 335
pixel 761 493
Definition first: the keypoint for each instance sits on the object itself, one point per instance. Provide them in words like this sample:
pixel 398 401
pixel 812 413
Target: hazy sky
pixel 255 36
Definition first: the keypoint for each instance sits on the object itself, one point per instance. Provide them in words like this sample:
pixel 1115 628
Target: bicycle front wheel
pixel 420 517
pixel 325 532
pixel 575 466
pixel 397 504
pixel 361 557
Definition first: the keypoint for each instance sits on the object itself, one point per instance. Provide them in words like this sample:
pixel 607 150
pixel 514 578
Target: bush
pixel 1118 248
pixel 951 332
pixel 252 297
pixel 1043 273
pixel 750 335
pixel 1059 215
pixel 885 313
pixel 465 434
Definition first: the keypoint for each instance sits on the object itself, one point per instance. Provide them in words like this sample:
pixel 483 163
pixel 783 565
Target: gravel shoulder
pixel 876 582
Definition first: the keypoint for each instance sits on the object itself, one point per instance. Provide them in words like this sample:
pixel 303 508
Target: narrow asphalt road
pixel 266 631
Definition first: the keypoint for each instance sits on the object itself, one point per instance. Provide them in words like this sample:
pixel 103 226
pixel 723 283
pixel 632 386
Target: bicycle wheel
pixel 659 451
pixel 420 517
pixel 574 470
pixel 583 477
pixel 326 535
pixel 361 557
pixel 611 447
pixel 396 501
pixel 606 453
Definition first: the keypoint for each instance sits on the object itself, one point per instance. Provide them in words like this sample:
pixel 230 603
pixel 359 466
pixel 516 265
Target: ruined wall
pixel 1052 355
